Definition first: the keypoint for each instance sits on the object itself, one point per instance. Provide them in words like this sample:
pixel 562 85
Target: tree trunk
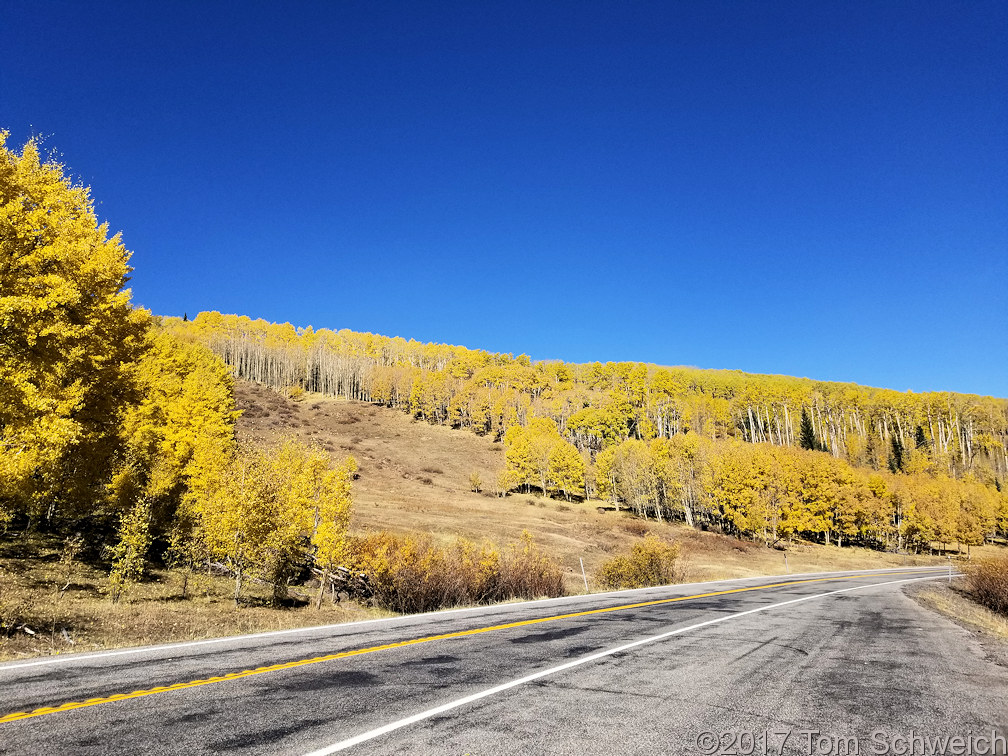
pixel 321 589
pixel 238 582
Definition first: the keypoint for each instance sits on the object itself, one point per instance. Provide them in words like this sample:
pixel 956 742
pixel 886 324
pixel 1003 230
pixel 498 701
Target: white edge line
pixel 405 722
pixel 72 658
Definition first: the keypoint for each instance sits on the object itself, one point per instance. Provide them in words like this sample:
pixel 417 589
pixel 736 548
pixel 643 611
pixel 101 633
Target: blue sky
pixel 802 188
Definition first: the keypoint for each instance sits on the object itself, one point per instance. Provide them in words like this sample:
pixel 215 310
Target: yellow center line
pixel 17 716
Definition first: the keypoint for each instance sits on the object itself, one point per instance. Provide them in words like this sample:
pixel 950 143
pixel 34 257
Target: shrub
pixel 635 527
pixel 651 561
pixel 987 581
pixel 528 573
pixel 414 574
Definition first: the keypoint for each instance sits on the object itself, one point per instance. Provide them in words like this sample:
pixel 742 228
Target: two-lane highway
pixel 652 671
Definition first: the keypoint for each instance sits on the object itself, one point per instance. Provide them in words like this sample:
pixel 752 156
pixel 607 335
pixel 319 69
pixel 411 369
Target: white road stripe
pixel 73 658
pixel 399 724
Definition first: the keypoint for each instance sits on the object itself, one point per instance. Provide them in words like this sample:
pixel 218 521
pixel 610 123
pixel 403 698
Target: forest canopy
pixel 758 455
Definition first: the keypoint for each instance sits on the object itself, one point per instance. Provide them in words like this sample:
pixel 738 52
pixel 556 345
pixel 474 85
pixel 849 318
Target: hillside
pixel 774 458
pixel 598 404
pixel 415 477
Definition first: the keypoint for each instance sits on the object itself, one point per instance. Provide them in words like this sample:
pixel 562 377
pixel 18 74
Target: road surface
pixel 744 666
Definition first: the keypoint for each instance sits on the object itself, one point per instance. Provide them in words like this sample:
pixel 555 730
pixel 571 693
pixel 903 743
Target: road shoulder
pixel 988 629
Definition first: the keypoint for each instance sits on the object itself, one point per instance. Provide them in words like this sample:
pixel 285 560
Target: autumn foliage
pixel 416 574
pixel 597 405
pixel 118 428
pixel 650 561
pixel 70 341
pixel 763 457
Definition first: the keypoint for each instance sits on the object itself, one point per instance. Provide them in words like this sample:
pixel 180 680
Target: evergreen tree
pixel 896 460
pixel 872 449
pixel 806 433
pixel 920 439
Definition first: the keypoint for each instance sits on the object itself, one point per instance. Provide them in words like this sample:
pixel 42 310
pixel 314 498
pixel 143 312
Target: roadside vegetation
pixel 650 562
pixel 987 582
pixel 979 600
pixel 416 574
pixel 138 505
pixel 52 605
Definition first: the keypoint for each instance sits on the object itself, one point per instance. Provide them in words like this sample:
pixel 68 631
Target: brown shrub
pixel 635 527
pixel 987 582
pixel 414 574
pixel 651 561
pixel 432 470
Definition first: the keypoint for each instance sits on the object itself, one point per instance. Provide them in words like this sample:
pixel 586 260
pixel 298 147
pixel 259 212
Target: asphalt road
pixel 737 667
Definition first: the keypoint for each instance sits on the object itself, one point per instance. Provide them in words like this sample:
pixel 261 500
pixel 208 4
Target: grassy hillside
pixel 415 477
pixel 753 455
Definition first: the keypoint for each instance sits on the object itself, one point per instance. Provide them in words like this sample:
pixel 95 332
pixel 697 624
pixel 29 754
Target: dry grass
pixel 396 492
pixel 953 603
pixel 37 618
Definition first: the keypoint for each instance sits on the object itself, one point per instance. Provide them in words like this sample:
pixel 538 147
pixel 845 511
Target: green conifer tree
pixel 806 433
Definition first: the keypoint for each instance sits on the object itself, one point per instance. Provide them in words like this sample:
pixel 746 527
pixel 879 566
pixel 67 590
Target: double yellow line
pixel 18 716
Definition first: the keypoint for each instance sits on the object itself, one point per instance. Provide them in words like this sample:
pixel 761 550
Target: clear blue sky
pixel 815 189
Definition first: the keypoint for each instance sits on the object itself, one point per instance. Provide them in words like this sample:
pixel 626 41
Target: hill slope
pixel 415 477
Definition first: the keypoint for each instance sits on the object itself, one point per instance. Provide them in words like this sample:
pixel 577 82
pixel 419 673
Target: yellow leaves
pixel 413 573
pixel 186 401
pixel 566 468
pixel 538 455
pixel 69 331
pixel 651 561
pixel 257 508
pixel 130 552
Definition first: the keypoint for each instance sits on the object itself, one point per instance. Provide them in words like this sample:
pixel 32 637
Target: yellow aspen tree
pixel 518 459
pixel 129 555
pixel 69 336
pixel 248 516
pixel 542 436
pixel 605 475
pixel 328 495
pixel 566 469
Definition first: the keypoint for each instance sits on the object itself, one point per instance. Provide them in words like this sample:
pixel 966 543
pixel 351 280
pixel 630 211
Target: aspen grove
pixel 768 457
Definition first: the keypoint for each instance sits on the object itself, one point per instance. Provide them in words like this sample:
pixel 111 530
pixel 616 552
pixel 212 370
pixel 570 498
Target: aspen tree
pixel 69 336
pixel 129 554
